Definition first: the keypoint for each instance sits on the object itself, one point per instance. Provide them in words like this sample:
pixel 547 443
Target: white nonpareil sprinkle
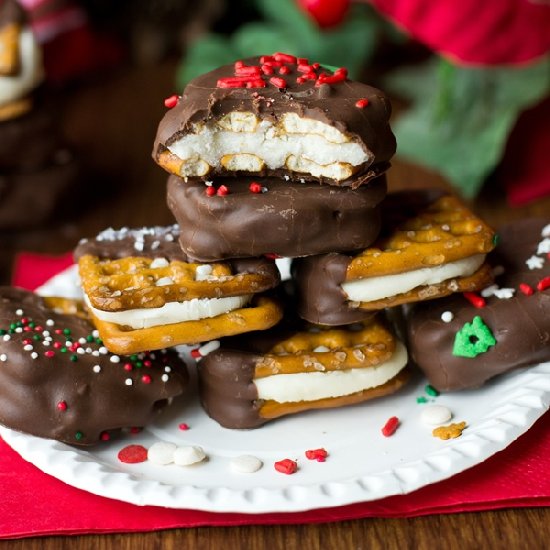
pixel 505 293
pixel 188 455
pixel 489 291
pixel 95 353
pixel 7 337
pixel 34 355
pixel 447 316
pixel 3 357
pixel 46 342
pixel 96 368
pixel 246 464
pixel 50 322
pixel 167 369
pixel 95 333
pixel 45 333
pixel 114 359
pixel 162 452
pixel 82 340
pixel 165 378
pixel 545 231
pixel 436 414
pixel 19 312
pixel 18 330
pixel 128 381
pixel 159 262
pixel 209 347
pixel 544 246
pixel 103 350
pixel 164 281
pixel 534 262
pixel 28 347
pixel 80 351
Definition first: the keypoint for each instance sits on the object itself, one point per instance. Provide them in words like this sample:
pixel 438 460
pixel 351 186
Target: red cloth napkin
pixel 34 503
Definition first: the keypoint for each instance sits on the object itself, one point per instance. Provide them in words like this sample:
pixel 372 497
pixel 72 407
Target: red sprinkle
pixel 147 363
pixel 183 426
pixel 256 83
pixel 255 187
pixel 135 430
pixel 105 436
pixel 475 299
pixel 49 353
pixel 57 345
pixel 146 379
pixel 362 103
pixel 284 57
pixel 222 190
pixel 171 101
pixel 246 70
pixel 272 256
pixel 267 69
pixel 210 191
pixel 543 284
pixel 319 455
pixel 62 406
pixel 301 80
pixel 266 58
pixel 390 426
pixel 128 366
pixel 278 82
pixel 284 70
pixel 132 454
pixel 286 466
pixel 303 61
pixel 195 353
pixel 27 341
pixel 526 289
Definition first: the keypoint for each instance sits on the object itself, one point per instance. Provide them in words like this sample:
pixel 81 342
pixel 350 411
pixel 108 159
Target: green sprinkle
pixel 78 435
pixel 32 324
pixel 74 358
pixel 133 357
pixel 421 399
pixel 99 341
pixel 36 337
pixel 12 330
pixel 90 338
pixel 473 338
pixel 430 390
pixel 2 332
pixel 66 331
pixel 13 326
pixel 139 364
pixel 63 349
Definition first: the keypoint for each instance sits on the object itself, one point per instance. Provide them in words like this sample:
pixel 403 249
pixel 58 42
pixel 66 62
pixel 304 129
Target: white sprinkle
pixel 68 344
pixel 546 231
pixel 34 355
pixel 302 180
pixel 159 262
pixel 95 353
pixel 48 339
pixel 18 330
pixel 447 316
pixel 139 245
pixel 165 378
pixel 96 368
pixel 286 177
pixel 169 237
pixel 128 381
pixel 95 333
pixel 7 337
pixel 50 322
pixel 103 350
pixel 155 245
pixel 209 347
pixel 321 349
pixel 80 351
pixel 82 340
pixel 435 414
pixel 46 342
pixel 544 246
pixel 164 281
pixel 489 291
pixel 19 312
pixel 3 357
pixel 505 293
pixel 208 183
pixel 88 350
pixel 28 347
pixel 445 227
pixel 45 333
pixel 161 452
pixel 114 359
pixel 534 262
pixel 188 455
pixel 167 369
pixel 246 464
pixel 203 272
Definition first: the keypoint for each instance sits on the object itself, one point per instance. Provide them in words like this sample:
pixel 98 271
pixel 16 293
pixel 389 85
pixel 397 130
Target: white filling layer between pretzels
pixel 242 142
pixel 290 388
pixel 377 288
pixel 172 312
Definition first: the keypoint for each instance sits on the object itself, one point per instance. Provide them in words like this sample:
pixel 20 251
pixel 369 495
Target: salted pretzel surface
pixel 445 231
pixel 262 314
pixel 369 345
pixel 134 282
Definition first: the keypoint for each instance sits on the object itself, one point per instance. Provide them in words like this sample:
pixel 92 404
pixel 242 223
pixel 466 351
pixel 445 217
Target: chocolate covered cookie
pixel 253 217
pixel 143 295
pixel 58 381
pixel 431 245
pixel 277 115
pixel 246 383
pixel 460 343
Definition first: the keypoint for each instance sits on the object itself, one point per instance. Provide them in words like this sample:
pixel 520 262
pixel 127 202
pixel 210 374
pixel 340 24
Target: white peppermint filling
pixel 266 142
pixel 376 288
pixel 310 386
pixel 171 312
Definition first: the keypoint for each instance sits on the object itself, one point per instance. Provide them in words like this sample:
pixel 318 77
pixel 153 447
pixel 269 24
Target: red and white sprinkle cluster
pixel 277 69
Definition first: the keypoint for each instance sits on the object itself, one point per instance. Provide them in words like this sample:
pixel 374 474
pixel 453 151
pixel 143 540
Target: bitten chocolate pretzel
pixel 149 300
pixel 431 245
pixel 58 381
pixel 272 216
pixel 277 115
pixel 246 384
pixel 459 346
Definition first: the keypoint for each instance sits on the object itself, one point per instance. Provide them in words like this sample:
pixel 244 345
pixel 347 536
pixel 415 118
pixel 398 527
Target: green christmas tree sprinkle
pixel 473 338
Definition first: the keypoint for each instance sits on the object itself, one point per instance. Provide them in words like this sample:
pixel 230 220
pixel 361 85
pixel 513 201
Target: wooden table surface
pixel 111 124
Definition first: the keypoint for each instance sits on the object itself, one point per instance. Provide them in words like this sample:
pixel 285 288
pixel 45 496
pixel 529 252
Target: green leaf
pixel 460 118
pixel 264 39
pixel 205 54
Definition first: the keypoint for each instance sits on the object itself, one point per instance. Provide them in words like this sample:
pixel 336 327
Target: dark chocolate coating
pixel 520 325
pixel 62 397
pixel 162 242
pixel 332 104
pixel 289 219
pixel 321 299
pixel 227 391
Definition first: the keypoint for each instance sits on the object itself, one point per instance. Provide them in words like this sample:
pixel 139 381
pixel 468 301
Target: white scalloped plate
pixel 362 465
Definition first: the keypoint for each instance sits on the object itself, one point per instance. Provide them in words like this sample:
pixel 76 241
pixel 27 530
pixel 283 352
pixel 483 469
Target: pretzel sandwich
pixel 246 386
pixel 432 245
